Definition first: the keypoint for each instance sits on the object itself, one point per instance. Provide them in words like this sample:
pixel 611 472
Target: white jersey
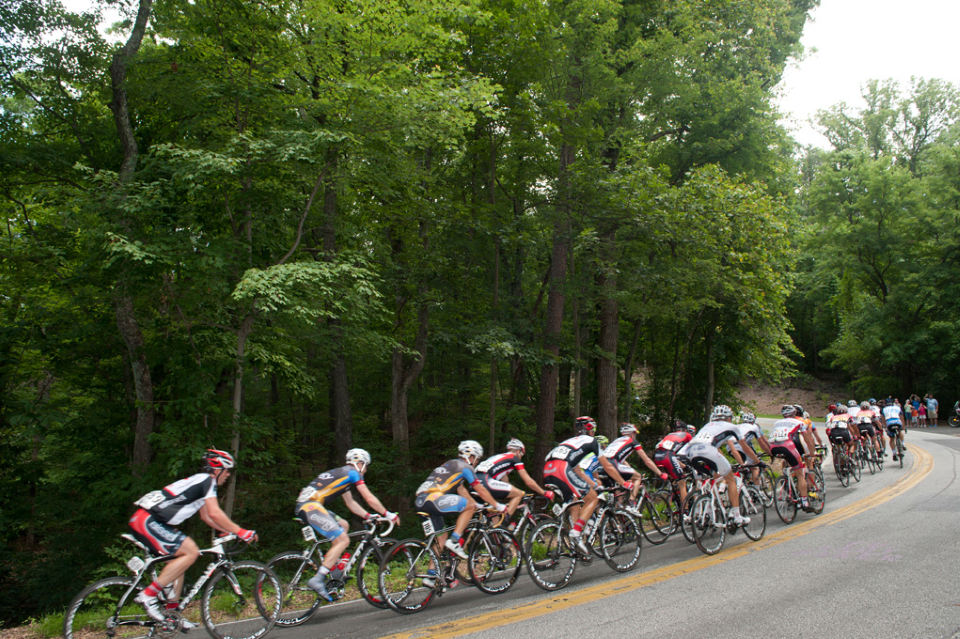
pixel 893 415
pixel 853 410
pixel 180 500
pixel 714 434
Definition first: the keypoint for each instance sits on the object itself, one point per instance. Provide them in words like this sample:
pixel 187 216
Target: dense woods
pixel 291 227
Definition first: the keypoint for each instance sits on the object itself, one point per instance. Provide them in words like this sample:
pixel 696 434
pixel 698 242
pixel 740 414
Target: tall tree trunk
pixel 127 323
pixel 492 189
pixel 246 327
pixel 627 400
pixel 405 371
pixel 609 334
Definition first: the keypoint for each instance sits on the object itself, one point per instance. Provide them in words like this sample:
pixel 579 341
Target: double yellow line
pixel 923 464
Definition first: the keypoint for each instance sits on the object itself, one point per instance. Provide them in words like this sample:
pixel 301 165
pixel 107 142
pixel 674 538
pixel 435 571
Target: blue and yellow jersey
pixel 446 478
pixel 330 484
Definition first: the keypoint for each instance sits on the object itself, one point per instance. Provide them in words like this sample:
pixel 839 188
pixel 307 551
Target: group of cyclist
pixel 577 469
pixel 879 422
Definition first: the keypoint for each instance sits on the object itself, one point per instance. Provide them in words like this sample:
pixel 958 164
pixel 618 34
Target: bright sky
pixel 860 40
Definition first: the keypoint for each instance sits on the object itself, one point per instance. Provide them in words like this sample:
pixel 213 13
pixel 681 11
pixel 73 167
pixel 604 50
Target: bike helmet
pixel 585 426
pixel 691 429
pixel 864 405
pixel 679 425
pixel 214 458
pixel 881 404
pixel 852 403
pixel 748 418
pixel 628 429
pixel 358 455
pixel 832 408
pixel 799 409
pixel 788 410
pixel 602 441
pixel 721 411
pixel 470 447
pixel 872 401
pixel 516 444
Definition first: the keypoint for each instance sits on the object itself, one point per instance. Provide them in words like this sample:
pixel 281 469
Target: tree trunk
pixel 142 382
pixel 609 334
pixel 711 382
pixel 246 327
pixel 627 400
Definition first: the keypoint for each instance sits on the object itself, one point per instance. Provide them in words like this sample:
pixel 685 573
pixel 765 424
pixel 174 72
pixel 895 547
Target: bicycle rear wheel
pixel 368 567
pixel 656 518
pixel 752 506
pixel 783 501
pixel 900 451
pixel 494 561
pixel 686 523
pixel 841 467
pixel 551 558
pixel 854 468
pixel 621 540
pixel 869 458
pixel 107 609
pixel 817 503
pixel 403 574
pixel 299 601
pixel 241 601
pixel 709 524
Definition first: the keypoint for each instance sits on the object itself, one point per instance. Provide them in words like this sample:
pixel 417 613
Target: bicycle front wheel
pixel 656 518
pixel 494 561
pixel 709 524
pixel 368 567
pixel 551 558
pixel 621 540
pixel 299 601
pixel 241 601
pixel 405 580
pixel 686 523
pixel 783 500
pixel 107 609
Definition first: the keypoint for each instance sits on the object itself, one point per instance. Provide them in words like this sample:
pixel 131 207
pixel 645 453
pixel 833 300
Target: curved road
pixel 883 560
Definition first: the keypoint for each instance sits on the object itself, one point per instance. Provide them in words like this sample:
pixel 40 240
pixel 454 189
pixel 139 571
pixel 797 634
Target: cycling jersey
pixel 893 415
pixel 180 500
pixel 330 484
pixel 839 421
pixel 715 434
pixel 574 449
pixel 674 441
pixel 787 429
pixel 703 451
pixel 751 433
pixel 445 479
pixel 499 465
pixel 665 455
pixel 619 449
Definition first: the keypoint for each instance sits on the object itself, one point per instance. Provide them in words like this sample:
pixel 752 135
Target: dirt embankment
pixel 813 395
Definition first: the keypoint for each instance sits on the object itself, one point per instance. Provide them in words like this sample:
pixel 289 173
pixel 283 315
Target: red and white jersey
pixel 498 466
pixel 788 428
pixel 574 449
pixel 180 500
pixel 839 420
pixel 866 416
pixel 621 448
pixel 674 441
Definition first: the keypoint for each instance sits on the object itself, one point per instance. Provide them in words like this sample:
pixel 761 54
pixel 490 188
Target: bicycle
pixel 529 518
pixel 765 481
pixel 412 573
pixel 710 518
pixel 294 568
pixel 787 495
pixel 612 533
pixel 843 465
pixel 242 599
pixel 655 515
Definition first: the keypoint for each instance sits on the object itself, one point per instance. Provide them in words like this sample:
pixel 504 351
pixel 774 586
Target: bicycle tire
pixel 402 573
pixel 241 601
pixel 709 525
pixel 494 561
pixel 621 540
pixel 841 465
pixel 686 523
pixel 868 457
pixel 786 507
pixel 526 527
pixel 900 451
pixel 954 421
pixel 299 601
pixel 817 504
pixel 752 506
pixel 551 557
pixel 656 518
pixel 107 608
pixel 854 468
pixel 368 567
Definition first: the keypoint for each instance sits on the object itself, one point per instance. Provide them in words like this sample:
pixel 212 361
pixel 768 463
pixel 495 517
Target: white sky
pixel 860 40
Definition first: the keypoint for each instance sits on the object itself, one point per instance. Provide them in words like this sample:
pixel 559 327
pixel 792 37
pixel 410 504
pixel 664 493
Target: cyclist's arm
pixel 481 490
pixel 733 451
pixel 649 462
pixel 528 480
pixel 368 497
pixel 808 440
pixel 748 449
pixel 213 516
pixel 765 445
pixel 587 480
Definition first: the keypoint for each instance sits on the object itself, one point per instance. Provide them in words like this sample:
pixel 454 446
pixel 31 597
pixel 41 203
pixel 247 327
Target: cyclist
pixel 562 471
pixel 494 469
pixel 866 420
pixel 841 430
pixel 666 458
pixel 614 460
pixel 312 511
pixel 752 433
pixel 161 510
pixel 444 493
pixel 805 416
pixel 881 432
pixel 789 440
pixel 705 457
pixel 893 417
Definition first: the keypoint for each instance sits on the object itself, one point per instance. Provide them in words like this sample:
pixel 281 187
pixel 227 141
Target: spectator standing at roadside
pixel 932 407
pixel 923 415
pixel 907 413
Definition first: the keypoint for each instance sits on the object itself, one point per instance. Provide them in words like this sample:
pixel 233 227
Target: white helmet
pixel 748 418
pixel 470 447
pixel 515 444
pixel 357 455
pixel 721 411
pixel 626 429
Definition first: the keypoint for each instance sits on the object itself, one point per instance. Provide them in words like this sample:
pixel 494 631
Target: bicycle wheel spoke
pixel 299 601
pixel 621 540
pixel 494 563
pixel 96 613
pixel 241 601
pixel 551 559
pixel 405 581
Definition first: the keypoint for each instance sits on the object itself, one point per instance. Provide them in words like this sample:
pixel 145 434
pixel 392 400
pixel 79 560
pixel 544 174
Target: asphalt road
pixel 882 560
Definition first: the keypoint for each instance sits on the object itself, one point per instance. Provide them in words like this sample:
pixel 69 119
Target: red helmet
pixel 214 458
pixel 585 425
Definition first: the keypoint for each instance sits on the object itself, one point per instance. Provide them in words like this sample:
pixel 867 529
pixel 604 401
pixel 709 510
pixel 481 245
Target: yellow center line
pixel 922 467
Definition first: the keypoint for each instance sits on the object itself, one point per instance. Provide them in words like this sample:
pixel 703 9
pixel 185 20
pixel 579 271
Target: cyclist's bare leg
pixel 732 489
pixel 800 473
pixel 337 546
pixel 185 557
pixel 590 501
pixel 515 497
